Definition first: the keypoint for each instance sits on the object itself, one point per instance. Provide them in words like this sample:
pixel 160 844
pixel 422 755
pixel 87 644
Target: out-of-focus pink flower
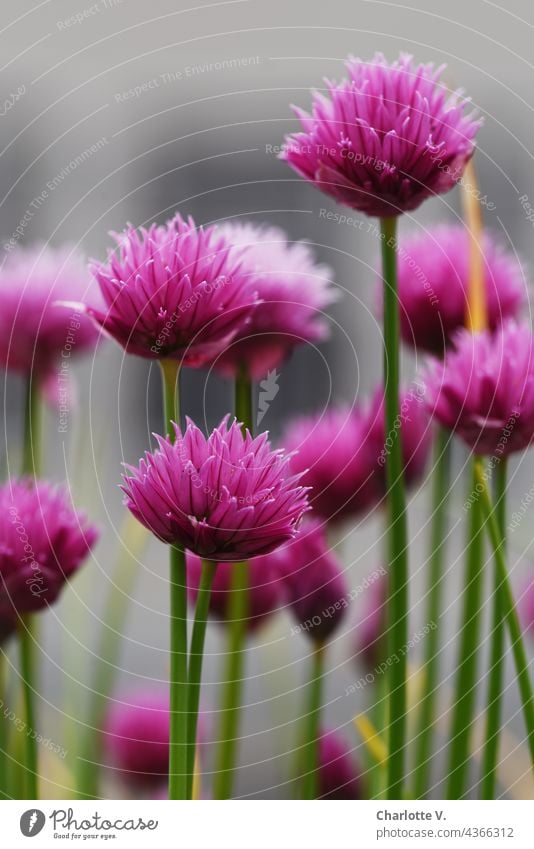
pixel 339 775
pixel 433 271
pixel 372 627
pixel 337 460
pixel 386 138
pixel 342 453
pixel 43 541
pixel 136 735
pixel 175 290
pixel 37 333
pixel 484 389
pixel 264 590
pixel 293 289
pixel 412 428
pixel 315 586
pixel 225 497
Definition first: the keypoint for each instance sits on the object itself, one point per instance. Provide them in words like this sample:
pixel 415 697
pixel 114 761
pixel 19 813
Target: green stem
pixel 310 779
pixel 31 456
pixel 178 676
pixel 170 370
pixel 237 628
pixel 427 717
pixel 4 730
pixel 467 671
pixel 170 373
pixel 496 671
pixel 196 655
pixel 509 614
pixel 397 531
pixel 27 671
pixel 31 466
pixel 243 399
pixel 229 727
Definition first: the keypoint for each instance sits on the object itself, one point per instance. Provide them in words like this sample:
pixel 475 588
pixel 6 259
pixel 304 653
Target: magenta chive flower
pixel 264 589
pixel 412 427
pixel 315 586
pixel 37 334
pixel 225 497
pixel 136 736
pixel 433 271
pixel 337 459
pixel 43 542
pixel 342 453
pixel 484 390
pixel 372 626
pixel 293 290
pixel 339 775
pixel 386 138
pixel 174 290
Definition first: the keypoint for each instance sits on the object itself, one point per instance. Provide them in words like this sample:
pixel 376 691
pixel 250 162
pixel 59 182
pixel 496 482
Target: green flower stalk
pixel 496 670
pixel 397 528
pixel 427 708
pixel 235 657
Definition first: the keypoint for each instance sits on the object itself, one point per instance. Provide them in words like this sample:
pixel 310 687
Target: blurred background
pixel 133 111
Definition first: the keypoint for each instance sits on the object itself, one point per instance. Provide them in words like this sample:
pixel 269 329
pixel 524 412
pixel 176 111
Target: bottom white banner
pixel 264 824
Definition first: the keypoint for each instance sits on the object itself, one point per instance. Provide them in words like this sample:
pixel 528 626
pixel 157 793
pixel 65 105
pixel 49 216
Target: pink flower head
pixel 386 138
pixel 293 290
pixel 264 589
pixel 484 390
pixel 316 588
pixel 337 460
pixel 339 775
pixel 412 427
pixel 434 280
pixel 136 735
pixel 372 627
pixel 224 497
pixel 342 453
pixel 175 290
pixel 43 542
pixel 36 332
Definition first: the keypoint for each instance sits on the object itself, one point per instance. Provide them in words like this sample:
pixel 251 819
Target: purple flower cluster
pixel 225 497
pixel 43 541
pixel 386 138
